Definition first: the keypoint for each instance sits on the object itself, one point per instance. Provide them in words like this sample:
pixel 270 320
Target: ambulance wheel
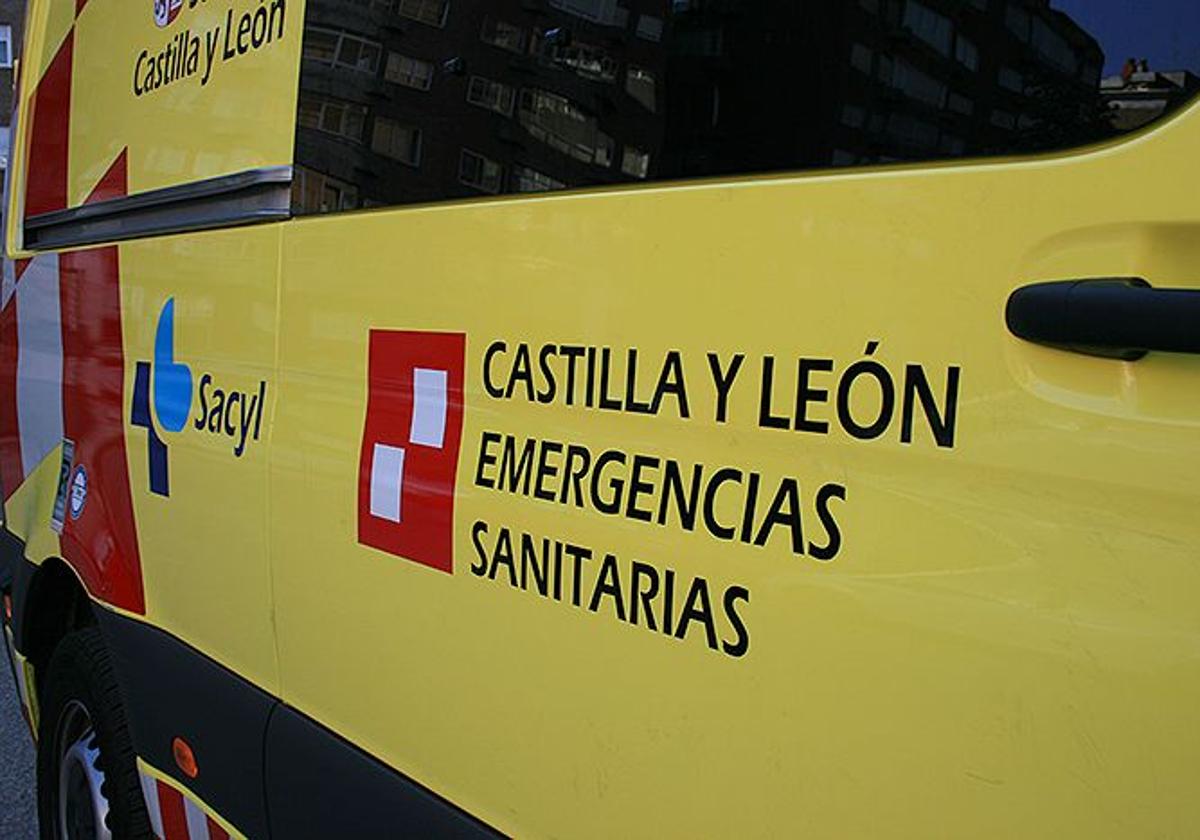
pixel 88 784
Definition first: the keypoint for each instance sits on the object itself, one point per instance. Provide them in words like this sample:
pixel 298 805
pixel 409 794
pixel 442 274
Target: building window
pixel 341 49
pixel 1003 119
pixel 528 180
pixel 585 60
pixel 333 116
pixel 967 53
pixel 1054 47
pixel 431 12
pixel 397 141
pixel 861 58
pixel 912 131
pixel 854 116
pixel 917 84
pixel 504 35
pixel 408 71
pixel 1011 80
pixel 316 192
pixel 480 172
pixel 932 28
pixel 560 124
pixel 1017 20
pixel 635 162
pixel 952 145
pixel 960 104
pixel 491 95
pixel 604 12
pixel 6 50
pixel 640 84
pixel 650 28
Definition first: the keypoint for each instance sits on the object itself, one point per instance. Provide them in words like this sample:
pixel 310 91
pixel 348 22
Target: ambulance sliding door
pixel 151 134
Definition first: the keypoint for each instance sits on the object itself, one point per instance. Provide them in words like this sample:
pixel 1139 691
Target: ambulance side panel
pixel 934 579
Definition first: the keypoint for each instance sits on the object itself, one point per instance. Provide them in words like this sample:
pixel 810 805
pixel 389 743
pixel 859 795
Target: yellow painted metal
pixel 227 105
pixel 204 548
pixel 1005 644
pixel 237 114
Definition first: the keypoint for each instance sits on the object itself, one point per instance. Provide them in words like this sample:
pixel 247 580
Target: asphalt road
pixel 18 811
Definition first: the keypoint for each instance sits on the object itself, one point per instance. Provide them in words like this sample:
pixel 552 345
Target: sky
pixel 1167 32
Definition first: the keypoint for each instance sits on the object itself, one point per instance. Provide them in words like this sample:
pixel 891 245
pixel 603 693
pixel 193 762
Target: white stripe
pixel 429 408
pixel 150 792
pixel 39 362
pixel 387 480
pixel 197 821
pixel 9 283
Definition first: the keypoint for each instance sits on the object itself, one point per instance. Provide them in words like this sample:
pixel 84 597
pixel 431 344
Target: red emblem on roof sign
pixel 166 11
pixel 411 440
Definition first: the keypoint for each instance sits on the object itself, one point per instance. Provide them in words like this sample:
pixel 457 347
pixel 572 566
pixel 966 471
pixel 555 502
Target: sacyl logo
pixel 168 384
pixel 165 11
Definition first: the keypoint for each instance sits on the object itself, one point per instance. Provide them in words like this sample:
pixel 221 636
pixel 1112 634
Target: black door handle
pixel 1120 318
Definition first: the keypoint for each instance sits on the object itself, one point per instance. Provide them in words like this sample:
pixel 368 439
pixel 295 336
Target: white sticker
pixel 387 481
pixel 429 408
pixel 79 491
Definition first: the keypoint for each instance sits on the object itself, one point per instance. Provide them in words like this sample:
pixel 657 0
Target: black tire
pixel 80 685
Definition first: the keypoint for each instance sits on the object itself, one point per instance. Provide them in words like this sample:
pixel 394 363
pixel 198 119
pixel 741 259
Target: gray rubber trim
pixel 257 195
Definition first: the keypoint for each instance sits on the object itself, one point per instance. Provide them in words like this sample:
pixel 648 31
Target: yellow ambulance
pixel 605 418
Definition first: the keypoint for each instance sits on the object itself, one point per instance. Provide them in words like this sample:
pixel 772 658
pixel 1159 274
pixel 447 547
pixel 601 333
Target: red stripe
pixel 11 471
pixel 79 4
pixel 215 832
pixel 102 544
pixel 113 184
pixel 174 819
pixel 46 180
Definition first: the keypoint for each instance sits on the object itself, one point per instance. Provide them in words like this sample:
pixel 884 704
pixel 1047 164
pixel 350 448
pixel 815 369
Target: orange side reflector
pixel 185 758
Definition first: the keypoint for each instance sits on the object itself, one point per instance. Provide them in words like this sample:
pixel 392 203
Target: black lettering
pixel 522 371
pixel 766 419
pixel 741 643
pixel 831 548
pixel 480 528
pixel 698 607
pixel 503 556
pixel 806 394
pixel 720 477
pixel 609 584
pixel 546 470
pixel 572 477
pixel 784 511
pixel 202 418
pixel 486 459
pixel 638 597
pixel 547 396
pixel 638 487
pixel 616 484
pixel 671 382
pixel 685 508
pixel 572 355
pixel 493 348
pixel 529 558
pixel 517 473
pixel 942 423
pixel 631 371
pixel 723 380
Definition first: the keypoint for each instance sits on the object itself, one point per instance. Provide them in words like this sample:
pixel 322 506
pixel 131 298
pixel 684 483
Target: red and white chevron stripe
pixel 176 816
pixel 33 366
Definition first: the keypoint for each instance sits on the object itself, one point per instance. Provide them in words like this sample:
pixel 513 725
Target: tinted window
pixel 405 101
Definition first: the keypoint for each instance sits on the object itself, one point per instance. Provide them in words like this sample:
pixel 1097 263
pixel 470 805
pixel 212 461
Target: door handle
pixel 1119 318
